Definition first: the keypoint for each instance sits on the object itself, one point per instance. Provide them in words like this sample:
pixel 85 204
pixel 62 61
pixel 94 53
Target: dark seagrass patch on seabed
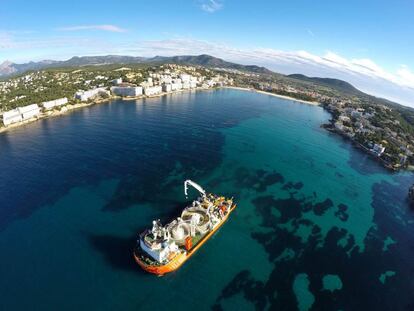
pixel 289 185
pixel 341 212
pixel 359 272
pixel 258 180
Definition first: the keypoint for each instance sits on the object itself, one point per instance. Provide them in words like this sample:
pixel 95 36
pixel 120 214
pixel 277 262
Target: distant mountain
pixel 209 61
pixel 101 60
pixel 346 88
pixel 8 68
pixel 339 85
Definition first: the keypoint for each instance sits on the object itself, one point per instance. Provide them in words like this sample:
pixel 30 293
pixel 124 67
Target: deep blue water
pixel 320 226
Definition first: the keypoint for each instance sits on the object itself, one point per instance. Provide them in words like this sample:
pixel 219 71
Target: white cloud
pixel 110 28
pixel 310 32
pixel 211 6
pixel 405 76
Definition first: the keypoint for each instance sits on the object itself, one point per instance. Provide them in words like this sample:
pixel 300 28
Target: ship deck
pixel 196 240
pixel 152 262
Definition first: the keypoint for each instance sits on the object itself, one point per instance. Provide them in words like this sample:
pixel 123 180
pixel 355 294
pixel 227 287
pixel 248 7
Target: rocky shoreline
pixel 385 164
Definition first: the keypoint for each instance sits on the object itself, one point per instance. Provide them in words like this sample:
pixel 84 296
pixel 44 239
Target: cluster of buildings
pixel 370 125
pixel 164 79
pixel 351 121
pixel 20 114
pixel 54 103
pixel 89 94
pixel 165 82
pixel 29 112
pixel 380 138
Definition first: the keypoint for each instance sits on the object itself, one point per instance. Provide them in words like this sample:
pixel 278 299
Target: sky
pixel 367 43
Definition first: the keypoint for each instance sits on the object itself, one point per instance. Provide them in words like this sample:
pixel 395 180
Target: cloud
pixel 310 32
pixel 406 76
pixel 110 28
pixel 211 6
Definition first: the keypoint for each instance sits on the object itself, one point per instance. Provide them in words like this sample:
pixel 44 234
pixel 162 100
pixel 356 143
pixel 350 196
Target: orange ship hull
pixel 180 258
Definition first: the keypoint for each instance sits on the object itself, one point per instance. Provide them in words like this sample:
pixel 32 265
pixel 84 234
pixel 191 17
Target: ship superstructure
pixel 163 249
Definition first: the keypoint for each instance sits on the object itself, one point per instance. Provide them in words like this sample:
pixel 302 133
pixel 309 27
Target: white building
pixel 176 86
pixel 11 116
pixel 85 95
pixel 117 81
pixel 186 85
pixel 344 118
pixel 146 84
pixel 378 149
pixel 54 103
pixel 193 84
pixel 29 111
pixel 339 125
pixel 127 90
pixel 177 80
pixel 210 83
pixel 185 77
pixel 152 90
pixel 167 88
pixel 166 79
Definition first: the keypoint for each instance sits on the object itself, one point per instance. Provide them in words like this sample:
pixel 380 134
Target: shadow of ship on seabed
pixel 116 250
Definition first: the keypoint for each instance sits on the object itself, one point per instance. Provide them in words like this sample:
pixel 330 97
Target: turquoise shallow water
pixel 319 225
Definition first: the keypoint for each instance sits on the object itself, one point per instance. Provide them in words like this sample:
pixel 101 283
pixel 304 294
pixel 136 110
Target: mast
pixel 194 185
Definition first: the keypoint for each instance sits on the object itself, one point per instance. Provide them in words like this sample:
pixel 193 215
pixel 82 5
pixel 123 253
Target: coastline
pixel 67 108
pixel 49 114
pixel 273 94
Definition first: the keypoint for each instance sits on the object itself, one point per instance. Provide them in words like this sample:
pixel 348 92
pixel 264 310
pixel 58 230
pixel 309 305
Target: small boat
pixel 164 249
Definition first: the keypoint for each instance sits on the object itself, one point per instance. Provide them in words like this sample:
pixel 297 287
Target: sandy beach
pixel 273 94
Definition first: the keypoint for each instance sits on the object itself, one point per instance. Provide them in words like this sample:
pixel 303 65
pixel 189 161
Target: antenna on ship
pixel 195 186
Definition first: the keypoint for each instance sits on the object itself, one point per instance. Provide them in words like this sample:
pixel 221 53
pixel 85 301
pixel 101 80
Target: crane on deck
pixel 195 186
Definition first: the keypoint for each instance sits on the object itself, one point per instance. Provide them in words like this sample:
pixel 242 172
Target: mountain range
pixel 8 68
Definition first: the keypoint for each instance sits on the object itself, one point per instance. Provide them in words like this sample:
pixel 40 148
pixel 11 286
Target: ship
pixel 164 249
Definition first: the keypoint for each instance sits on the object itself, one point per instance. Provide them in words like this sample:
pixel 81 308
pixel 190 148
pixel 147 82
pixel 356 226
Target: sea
pixel 319 225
